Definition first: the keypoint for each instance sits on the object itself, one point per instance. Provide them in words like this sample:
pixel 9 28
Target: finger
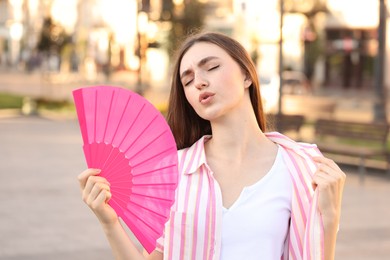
pixel 103 197
pixel 83 177
pixel 328 170
pixel 327 161
pixel 337 174
pixel 321 177
pixel 330 167
pixel 90 196
pixel 326 182
pixel 92 180
pixel 108 196
pixel 321 180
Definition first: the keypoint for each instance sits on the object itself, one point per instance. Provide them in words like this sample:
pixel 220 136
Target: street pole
pixel 142 27
pixel 380 91
pixel 281 57
pixel 139 88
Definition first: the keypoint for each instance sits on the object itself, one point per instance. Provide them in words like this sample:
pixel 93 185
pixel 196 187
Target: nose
pixel 200 81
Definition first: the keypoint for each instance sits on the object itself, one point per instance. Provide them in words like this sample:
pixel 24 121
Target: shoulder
pixel 309 149
pixel 298 156
pixel 191 158
pixel 291 146
pixel 194 148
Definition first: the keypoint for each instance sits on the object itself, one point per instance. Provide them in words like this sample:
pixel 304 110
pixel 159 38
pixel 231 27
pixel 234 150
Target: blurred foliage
pixel 53 37
pixel 185 20
pixel 55 105
pixel 13 101
pixel 10 101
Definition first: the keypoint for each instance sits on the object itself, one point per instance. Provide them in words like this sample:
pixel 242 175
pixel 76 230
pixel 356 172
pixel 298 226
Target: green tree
pixel 53 37
pixel 186 19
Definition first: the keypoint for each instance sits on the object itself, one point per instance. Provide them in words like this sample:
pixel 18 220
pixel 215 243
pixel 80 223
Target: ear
pixel 247 82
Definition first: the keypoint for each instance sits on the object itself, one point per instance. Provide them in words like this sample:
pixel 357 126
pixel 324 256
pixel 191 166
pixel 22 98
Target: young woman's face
pixel 213 82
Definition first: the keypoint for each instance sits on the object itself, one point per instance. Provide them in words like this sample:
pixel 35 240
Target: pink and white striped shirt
pixel 194 228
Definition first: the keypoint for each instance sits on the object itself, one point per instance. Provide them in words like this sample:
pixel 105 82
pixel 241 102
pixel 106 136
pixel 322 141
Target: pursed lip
pixel 204 97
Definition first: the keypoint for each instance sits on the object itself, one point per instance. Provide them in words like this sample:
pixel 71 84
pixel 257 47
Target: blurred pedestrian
pixel 74 60
pixel 243 193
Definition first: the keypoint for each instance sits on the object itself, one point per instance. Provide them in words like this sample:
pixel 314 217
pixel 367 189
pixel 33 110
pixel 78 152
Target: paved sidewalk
pixel 365 225
pixel 43 217
pixel 40 208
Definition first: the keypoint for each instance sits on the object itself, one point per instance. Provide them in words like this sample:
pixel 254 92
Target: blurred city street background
pixel 44 218
pixel 334 65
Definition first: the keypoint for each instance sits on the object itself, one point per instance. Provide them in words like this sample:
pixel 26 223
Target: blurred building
pixel 19 27
pixel 326 39
pixel 343 40
pixel 351 44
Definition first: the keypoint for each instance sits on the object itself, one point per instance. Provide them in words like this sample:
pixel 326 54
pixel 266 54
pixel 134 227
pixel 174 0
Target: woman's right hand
pixel 96 194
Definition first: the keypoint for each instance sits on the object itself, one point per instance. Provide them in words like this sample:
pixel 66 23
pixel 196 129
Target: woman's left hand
pixel 329 179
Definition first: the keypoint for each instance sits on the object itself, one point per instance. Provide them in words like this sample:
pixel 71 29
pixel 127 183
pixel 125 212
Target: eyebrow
pixel 200 63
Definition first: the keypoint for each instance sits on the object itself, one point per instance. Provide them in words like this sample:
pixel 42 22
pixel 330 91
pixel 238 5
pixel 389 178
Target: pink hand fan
pixel 130 141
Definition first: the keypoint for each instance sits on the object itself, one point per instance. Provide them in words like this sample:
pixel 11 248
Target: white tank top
pixel 256 225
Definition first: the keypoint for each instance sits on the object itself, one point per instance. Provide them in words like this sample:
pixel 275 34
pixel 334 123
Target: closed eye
pixel 188 82
pixel 214 67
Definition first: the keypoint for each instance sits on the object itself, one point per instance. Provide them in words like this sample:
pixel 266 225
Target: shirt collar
pixel 197 151
pixel 286 142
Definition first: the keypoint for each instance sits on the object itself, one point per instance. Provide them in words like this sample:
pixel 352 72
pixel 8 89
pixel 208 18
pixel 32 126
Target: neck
pixel 236 135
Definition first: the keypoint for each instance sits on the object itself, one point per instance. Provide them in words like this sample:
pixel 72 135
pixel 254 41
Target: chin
pixel 211 113
pixel 209 116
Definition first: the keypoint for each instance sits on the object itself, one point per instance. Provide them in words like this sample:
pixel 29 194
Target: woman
pixel 243 193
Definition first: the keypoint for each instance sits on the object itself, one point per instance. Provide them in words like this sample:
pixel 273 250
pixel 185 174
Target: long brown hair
pixel 186 125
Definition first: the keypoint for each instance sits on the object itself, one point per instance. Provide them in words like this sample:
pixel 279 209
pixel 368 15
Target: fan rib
pixel 114 169
pixel 120 182
pixel 117 198
pixel 143 131
pixel 113 183
pixel 121 193
pixel 109 113
pixel 81 113
pixel 131 126
pixel 122 115
pixel 94 127
pixel 151 197
pixel 156 185
pixel 154 170
pixel 116 131
pixel 116 203
pixel 154 156
pixel 147 144
pixel 143 221
pixel 109 167
pixel 145 208
pixel 117 175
